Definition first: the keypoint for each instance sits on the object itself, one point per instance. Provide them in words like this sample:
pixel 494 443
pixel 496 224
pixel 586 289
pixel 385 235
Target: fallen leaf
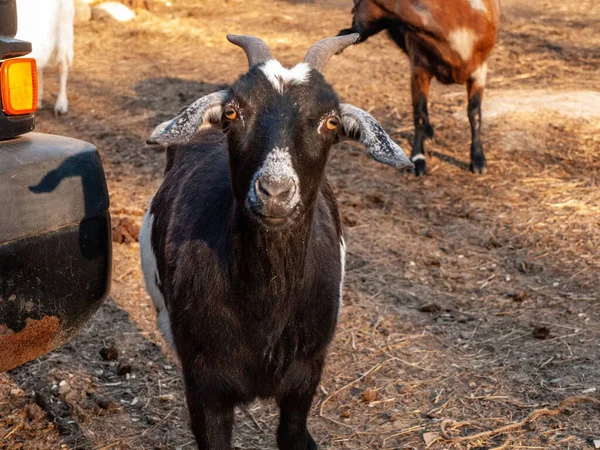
pixel 430 437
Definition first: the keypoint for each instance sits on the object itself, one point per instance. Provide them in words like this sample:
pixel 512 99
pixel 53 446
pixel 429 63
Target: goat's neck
pixel 278 255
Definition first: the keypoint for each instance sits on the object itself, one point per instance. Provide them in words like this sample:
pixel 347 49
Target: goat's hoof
pixel 61 108
pixel 420 166
pixel 478 165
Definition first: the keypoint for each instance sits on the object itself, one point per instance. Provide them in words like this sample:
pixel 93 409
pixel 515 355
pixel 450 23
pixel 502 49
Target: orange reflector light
pixel 19 85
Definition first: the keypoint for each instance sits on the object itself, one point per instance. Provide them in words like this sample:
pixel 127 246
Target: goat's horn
pixel 255 48
pixel 319 54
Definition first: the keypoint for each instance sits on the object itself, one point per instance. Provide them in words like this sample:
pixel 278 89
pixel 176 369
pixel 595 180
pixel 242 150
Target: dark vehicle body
pixel 55 234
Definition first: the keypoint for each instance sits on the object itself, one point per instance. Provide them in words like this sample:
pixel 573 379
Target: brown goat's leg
pixel 420 80
pixel 475 86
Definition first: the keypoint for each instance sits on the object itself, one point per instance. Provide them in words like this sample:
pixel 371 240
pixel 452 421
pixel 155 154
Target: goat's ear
pixel 360 126
pixel 181 128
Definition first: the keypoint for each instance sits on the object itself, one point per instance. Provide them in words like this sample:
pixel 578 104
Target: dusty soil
pixel 471 303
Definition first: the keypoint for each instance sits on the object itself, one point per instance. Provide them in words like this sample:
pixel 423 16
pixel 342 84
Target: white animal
pixel 48 25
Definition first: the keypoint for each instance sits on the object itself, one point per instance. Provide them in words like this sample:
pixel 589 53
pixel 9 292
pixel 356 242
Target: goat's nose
pixel 278 190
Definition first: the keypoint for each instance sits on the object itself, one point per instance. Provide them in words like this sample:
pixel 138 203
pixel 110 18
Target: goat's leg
pixel 40 77
pixel 62 104
pixel 212 423
pixel 420 80
pixel 292 433
pixel 475 86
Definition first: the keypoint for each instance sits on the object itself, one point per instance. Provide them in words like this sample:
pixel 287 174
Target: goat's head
pixel 368 18
pixel 280 124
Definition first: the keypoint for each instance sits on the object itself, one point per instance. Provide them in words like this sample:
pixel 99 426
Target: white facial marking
pixel 279 76
pixel 343 266
pixel 418 157
pixel 478 5
pixel 480 75
pixel 277 166
pixel 151 277
pixel 462 41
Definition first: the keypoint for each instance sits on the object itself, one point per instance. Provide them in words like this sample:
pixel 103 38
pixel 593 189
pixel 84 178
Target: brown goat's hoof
pixel 420 167
pixel 478 164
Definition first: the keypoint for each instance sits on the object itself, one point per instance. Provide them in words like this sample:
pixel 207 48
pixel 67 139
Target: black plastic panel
pixel 63 275
pixel 8 18
pixel 47 182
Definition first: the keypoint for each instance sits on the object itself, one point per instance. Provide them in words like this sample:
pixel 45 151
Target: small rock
pixel 167 398
pixel 430 308
pixel 466 335
pixel 109 353
pixel 541 332
pixel 17 393
pixel 596 443
pixel 589 391
pixel 63 387
pixel 112 11
pixel 369 395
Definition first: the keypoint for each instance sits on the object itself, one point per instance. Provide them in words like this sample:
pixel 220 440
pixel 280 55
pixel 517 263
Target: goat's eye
pixel 332 123
pixel 231 114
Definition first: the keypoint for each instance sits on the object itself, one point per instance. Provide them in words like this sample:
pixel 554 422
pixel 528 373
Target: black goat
pixel 242 246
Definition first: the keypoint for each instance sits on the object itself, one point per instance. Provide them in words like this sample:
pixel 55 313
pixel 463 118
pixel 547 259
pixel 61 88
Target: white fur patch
pixel 276 167
pixel 425 15
pixel 462 41
pixel 151 277
pixel 480 75
pixel 279 76
pixel 418 157
pixel 478 5
pixel 343 266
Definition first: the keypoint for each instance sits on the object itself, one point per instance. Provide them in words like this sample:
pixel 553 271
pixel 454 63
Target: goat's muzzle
pixel 276 199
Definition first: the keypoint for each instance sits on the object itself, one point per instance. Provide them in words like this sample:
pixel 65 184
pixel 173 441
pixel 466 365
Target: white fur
pixel 425 15
pixel 418 157
pixel 277 166
pixel 478 5
pixel 462 41
pixel 48 25
pixel 151 277
pixel 279 76
pixel 343 265
pixel 480 75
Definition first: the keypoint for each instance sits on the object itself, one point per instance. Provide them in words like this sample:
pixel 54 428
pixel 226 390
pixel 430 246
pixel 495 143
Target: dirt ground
pixel 471 305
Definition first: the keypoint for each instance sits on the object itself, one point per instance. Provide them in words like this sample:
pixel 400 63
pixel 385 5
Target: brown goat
pixel 450 40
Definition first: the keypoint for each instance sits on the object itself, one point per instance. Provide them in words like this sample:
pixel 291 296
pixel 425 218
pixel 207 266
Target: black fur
pixel 252 306
pixel 477 155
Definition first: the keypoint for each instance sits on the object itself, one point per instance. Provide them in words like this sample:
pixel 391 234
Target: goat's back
pixel 48 25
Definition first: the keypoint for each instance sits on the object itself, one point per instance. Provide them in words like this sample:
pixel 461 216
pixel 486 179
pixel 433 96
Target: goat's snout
pixel 278 190
pixel 275 196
